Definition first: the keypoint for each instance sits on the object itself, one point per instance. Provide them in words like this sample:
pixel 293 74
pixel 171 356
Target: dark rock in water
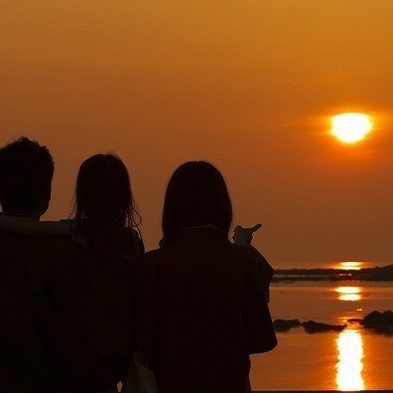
pixel 380 322
pixel 283 325
pixel 316 327
pixel 354 320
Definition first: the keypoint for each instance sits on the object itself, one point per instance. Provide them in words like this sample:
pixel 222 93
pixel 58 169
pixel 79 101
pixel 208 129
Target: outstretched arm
pixel 243 236
pixel 30 227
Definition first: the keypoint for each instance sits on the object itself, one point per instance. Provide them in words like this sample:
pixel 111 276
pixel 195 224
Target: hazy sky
pixel 249 85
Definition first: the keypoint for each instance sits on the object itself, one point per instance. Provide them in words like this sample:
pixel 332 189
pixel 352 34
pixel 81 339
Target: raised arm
pixel 33 228
pixel 243 236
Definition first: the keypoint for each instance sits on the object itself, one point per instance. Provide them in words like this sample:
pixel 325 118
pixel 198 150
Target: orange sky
pixel 248 85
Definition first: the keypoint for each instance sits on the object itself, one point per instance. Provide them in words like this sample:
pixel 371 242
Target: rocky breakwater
pixel 283 325
pixel 380 322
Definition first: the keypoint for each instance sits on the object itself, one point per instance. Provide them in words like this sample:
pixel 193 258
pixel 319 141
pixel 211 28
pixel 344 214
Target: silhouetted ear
pixel 43 203
pixel 45 198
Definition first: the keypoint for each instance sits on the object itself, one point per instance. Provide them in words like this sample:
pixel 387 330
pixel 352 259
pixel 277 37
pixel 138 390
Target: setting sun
pixel 351 127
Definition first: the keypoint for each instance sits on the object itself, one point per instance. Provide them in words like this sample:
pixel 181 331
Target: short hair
pixel 26 170
pixel 196 195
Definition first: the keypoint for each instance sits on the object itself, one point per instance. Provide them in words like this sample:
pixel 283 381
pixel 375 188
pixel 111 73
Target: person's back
pixel 203 300
pixel 59 327
pixel 208 306
pixel 67 321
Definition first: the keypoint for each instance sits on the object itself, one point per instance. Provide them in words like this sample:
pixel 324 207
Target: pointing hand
pixel 244 236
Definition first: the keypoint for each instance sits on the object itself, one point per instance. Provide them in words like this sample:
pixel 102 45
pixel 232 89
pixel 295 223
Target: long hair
pixel 103 200
pixel 196 195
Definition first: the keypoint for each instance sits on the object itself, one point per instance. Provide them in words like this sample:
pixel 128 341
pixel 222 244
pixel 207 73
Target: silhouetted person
pixel 203 307
pixel 66 321
pixel 103 219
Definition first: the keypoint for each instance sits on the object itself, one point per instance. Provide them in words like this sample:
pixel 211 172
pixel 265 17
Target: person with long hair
pixel 105 222
pixel 104 219
pixel 203 305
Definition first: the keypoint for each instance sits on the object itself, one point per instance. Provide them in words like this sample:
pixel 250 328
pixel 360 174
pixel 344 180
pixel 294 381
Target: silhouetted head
pixel 26 172
pixel 196 195
pixel 103 191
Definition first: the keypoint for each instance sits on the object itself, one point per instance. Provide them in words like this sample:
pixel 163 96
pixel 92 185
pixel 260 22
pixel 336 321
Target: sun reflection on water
pixel 351 294
pixel 350 361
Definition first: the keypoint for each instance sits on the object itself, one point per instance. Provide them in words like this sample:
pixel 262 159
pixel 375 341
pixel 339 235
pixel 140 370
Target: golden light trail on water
pixel 350 361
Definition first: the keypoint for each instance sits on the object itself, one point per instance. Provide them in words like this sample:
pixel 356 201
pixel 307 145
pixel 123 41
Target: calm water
pixel 354 359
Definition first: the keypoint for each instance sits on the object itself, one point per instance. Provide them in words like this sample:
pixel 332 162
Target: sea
pixel 354 358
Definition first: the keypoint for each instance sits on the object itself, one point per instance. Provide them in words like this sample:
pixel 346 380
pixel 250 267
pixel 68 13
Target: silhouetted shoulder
pixel 84 313
pixel 252 255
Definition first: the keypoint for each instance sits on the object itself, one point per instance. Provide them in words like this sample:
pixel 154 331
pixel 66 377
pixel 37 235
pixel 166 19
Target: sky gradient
pixel 248 85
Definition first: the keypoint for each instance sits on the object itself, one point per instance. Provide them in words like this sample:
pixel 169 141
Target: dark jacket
pixel 66 322
pixel 203 311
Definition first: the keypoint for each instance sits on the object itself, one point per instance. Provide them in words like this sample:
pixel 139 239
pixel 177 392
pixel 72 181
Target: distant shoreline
pixel 384 273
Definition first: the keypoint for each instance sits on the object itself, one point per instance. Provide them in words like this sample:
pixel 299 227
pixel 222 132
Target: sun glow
pixel 351 127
